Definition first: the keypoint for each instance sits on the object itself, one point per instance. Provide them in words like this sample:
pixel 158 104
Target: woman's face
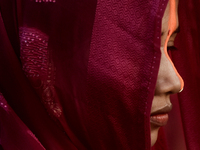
pixel 168 81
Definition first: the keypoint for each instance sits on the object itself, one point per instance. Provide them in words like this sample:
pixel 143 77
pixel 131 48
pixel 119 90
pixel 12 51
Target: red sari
pixel 82 75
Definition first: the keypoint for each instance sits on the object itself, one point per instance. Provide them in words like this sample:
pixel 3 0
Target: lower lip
pixel 159 120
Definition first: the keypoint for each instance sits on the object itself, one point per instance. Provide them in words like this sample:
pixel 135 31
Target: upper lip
pixel 164 110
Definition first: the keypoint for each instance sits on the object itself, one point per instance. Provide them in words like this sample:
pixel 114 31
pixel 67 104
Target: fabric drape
pixel 82 74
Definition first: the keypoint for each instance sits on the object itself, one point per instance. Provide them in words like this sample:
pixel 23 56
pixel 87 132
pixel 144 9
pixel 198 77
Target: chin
pixel 154 135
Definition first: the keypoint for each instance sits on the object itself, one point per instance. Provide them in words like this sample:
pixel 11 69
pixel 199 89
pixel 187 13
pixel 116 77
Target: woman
pixel 87 75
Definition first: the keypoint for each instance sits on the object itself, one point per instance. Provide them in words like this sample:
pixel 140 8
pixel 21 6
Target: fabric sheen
pixel 82 74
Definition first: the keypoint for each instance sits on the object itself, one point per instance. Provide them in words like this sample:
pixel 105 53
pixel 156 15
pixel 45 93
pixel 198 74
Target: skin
pixel 168 81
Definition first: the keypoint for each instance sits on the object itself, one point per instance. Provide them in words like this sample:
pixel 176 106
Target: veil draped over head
pixel 82 74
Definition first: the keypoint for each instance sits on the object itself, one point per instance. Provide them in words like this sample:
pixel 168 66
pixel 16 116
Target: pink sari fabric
pixel 14 132
pixel 81 75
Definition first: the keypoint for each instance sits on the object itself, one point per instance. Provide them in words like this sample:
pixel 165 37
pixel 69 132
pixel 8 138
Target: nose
pixel 168 80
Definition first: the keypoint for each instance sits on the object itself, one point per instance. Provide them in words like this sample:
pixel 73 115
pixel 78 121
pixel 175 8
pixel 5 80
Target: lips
pixel 160 116
pixel 159 120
